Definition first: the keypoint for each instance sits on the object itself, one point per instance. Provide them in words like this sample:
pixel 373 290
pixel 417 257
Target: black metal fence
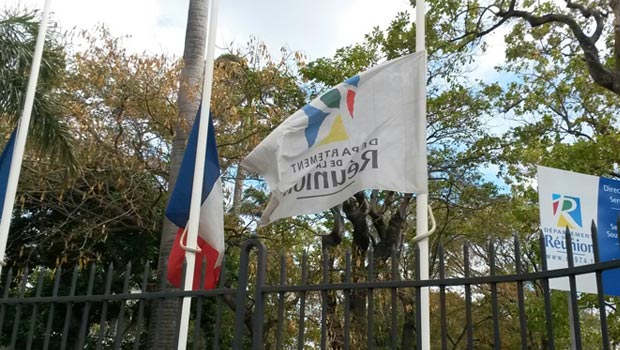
pixel 355 305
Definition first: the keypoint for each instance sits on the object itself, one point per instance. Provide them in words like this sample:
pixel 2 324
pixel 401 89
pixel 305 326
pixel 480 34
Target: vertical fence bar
pixel 546 293
pixel 281 302
pixel 240 301
pixel 145 283
pixel 180 304
pixel 370 338
pixel 18 308
pixel 258 317
pixel 87 306
pixel 418 299
pixel 121 314
pixel 347 302
pixel 497 343
pixel 520 296
pixel 50 316
pixel 69 310
pixel 302 303
pixel 324 296
pixel 599 288
pixel 573 291
pixel 468 317
pixel 5 294
pixel 218 311
pixel 442 298
pixel 162 287
pixel 199 301
pixel 35 309
pixel 259 297
pixel 394 300
pixel 104 307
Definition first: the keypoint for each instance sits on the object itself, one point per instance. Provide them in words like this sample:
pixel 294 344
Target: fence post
pixel 546 293
pixel 602 310
pixel 573 309
pixel 259 302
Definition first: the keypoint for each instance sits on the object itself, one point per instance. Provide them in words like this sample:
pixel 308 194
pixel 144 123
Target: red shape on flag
pixel 350 101
pixel 177 257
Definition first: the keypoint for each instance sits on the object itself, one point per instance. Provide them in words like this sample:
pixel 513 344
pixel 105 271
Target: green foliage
pixel 110 208
pixel 347 62
pixel 49 129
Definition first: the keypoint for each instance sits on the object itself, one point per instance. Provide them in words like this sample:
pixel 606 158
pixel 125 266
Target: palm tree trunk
pixel 238 192
pixel 189 97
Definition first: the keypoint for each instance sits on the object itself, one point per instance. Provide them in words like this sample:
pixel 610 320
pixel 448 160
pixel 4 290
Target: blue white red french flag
pixel 5 167
pixel 211 226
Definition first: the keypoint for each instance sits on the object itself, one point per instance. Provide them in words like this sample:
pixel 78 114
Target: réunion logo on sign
pixel 567 211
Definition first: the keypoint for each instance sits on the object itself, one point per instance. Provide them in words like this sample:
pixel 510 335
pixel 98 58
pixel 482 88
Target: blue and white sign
pixel 573 200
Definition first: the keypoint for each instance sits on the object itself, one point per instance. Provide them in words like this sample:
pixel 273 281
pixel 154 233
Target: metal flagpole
pixel 195 203
pixel 22 132
pixel 422 198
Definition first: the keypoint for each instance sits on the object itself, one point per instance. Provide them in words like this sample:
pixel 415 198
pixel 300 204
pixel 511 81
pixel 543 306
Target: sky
pixel 317 27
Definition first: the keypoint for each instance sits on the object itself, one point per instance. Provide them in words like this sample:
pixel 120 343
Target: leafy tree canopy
pixel 49 130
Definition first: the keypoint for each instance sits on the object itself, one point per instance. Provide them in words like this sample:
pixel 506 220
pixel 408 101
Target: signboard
pixel 573 200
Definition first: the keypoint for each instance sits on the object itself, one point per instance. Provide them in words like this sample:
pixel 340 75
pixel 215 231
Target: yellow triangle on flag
pixel 563 223
pixel 337 132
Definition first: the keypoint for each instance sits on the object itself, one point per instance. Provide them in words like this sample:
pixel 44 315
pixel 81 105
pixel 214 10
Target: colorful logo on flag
pixel 567 211
pixel 329 112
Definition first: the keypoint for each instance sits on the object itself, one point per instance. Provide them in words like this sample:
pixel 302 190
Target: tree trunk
pixel 238 192
pixel 188 100
pixel 615 7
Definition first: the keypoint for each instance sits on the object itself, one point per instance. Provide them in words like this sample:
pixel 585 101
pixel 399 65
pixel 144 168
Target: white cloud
pixel 316 27
pixel 494 56
pixel 362 15
pixel 152 26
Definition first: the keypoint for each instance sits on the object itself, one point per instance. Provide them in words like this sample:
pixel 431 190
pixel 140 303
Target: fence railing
pixel 341 302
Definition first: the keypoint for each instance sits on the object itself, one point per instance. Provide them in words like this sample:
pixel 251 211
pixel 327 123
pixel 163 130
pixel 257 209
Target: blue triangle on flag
pixel 5 167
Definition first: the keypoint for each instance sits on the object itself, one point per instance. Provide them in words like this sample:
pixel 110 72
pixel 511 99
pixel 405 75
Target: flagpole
pixel 422 198
pixel 22 132
pixel 195 203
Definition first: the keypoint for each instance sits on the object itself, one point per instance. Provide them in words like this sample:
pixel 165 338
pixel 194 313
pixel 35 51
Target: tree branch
pixel 601 75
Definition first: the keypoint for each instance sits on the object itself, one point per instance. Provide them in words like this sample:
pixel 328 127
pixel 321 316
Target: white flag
pixel 359 135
